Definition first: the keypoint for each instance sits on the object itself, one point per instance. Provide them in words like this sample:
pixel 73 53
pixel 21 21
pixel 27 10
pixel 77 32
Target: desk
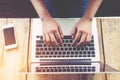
pixel 13 60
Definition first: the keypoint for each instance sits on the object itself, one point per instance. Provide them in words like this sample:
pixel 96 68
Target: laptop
pixel 64 59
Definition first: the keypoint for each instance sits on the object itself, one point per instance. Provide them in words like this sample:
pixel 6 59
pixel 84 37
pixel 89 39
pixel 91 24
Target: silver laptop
pixel 67 58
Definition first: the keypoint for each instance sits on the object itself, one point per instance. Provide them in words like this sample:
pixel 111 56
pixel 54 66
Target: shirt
pixel 66 8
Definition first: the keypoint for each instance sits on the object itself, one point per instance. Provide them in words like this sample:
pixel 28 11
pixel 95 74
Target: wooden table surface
pixel 13 60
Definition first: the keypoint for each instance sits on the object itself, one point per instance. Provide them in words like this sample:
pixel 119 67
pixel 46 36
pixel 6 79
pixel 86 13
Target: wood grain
pixel 2 22
pixel 113 76
pixel 111 33
pixel 99 76
pixel 15 59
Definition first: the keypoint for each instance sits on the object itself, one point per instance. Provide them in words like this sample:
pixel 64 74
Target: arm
pixel 82 31
pixel 41 9
pixel 92 9
pixel 51 30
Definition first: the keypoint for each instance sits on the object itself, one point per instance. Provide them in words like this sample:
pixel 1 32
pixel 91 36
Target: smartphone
pixel 9 36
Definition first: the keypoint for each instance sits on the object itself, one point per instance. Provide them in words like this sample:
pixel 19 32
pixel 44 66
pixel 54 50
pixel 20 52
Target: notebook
pixel 66 58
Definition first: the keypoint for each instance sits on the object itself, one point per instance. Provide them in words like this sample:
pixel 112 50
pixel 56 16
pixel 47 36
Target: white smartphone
pixel 9 36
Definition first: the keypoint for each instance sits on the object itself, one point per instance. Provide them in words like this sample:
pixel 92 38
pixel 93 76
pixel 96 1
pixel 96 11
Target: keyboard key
pixel 58 49
pixel 72 70
pixel 62 49
pixel 64 70
pixel 70 40
pixel 37 49
pixel 69 45
pixel 72 52
pixel 80 55
pixel 74 48
pixel 93 69
pixel 67 37
pixel 41 49
pixel 53 48
pixel 88 52
pixel 76 53
pixel 68 70
pixel 70 49
pixel 56 53
pixel 47 53
pixel 93 55
pixel 64 53
pixel 38 45
pixel 80 70
pixel 68 53
pixel 84 55
pixel 91 48
pixel 86 48
pixel 45 49
pixel 39 41
pixel 43 53
pixel 93 52
pixel 51 53
pixel 65 45
pixel 89 69
pixel 88 55
pixel 78 48
pixel 49 49
pixel 66 49
pixel 37 36
pixel 60 70
pixel 66 41
pixel 76 70
pixel 91 44
pixel 82 48
pixel 38 53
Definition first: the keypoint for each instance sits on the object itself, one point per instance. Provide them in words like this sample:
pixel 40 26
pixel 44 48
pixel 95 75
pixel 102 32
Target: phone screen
pixel 9 36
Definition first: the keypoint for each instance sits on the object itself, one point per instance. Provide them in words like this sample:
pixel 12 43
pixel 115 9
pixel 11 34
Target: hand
pixel 82 32
pixel 52 32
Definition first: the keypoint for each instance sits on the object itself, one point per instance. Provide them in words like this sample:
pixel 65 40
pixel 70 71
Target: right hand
pixel 52 32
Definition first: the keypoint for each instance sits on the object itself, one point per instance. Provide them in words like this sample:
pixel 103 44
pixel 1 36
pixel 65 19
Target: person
pixel 82 30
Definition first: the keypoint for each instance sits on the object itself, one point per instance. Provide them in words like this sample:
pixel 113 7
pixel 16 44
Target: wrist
pixel 87 18
pixel 45 18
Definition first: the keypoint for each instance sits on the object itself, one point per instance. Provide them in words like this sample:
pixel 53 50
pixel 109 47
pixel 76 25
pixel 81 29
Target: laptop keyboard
pixel 65 51
pixel 66 69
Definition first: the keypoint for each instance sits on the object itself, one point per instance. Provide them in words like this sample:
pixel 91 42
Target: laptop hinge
pixel 65 62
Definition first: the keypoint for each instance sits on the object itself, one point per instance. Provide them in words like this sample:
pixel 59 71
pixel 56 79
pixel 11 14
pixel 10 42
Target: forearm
pixel 92 9
pixel 41 9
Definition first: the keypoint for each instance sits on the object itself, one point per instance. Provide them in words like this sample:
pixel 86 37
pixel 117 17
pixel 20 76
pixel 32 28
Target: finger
pixel 47 37
pixel 58 37
pixel 88 39
pixel 53 40
pixel 44 37
pixel 74 30
pixel 82 40
pixel 77 38
pixel 60 31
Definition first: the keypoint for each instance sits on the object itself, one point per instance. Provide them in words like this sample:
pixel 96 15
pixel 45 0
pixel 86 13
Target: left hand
pixel 82 32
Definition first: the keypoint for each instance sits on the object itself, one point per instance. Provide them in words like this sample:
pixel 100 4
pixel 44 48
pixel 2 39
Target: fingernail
pixel 72 36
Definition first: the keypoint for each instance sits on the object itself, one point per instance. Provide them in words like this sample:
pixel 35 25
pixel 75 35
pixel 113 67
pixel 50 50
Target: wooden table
pixel 13 60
